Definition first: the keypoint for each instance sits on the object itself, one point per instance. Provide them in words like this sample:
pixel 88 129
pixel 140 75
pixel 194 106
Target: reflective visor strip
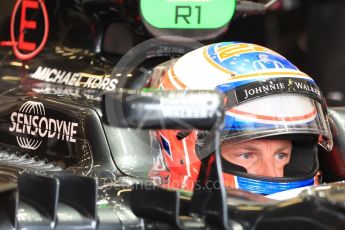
pixel 270 187
pixel 274 86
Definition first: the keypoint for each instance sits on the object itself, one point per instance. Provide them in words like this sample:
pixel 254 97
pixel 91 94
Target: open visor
pixel 276 115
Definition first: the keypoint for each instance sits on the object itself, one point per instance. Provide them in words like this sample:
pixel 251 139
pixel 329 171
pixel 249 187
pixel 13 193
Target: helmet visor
pixel 276 115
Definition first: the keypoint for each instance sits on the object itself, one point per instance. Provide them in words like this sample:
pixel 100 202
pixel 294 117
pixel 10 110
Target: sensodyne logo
pixel 31 122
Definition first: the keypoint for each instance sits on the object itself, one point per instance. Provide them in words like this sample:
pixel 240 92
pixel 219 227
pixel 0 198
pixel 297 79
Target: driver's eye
pixel 245 155
pixel 281 156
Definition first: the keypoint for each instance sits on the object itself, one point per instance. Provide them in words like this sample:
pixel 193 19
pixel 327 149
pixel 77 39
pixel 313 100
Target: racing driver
pixel 275 119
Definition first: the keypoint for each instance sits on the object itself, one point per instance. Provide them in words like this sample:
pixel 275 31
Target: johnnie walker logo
pixel 279 85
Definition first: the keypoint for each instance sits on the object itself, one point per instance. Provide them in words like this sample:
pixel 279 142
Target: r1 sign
pixel 187 14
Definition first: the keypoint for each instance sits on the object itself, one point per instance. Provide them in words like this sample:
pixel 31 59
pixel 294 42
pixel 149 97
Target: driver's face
pixel 262 157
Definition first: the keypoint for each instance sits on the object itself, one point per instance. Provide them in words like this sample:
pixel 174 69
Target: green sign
pixel 187 14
